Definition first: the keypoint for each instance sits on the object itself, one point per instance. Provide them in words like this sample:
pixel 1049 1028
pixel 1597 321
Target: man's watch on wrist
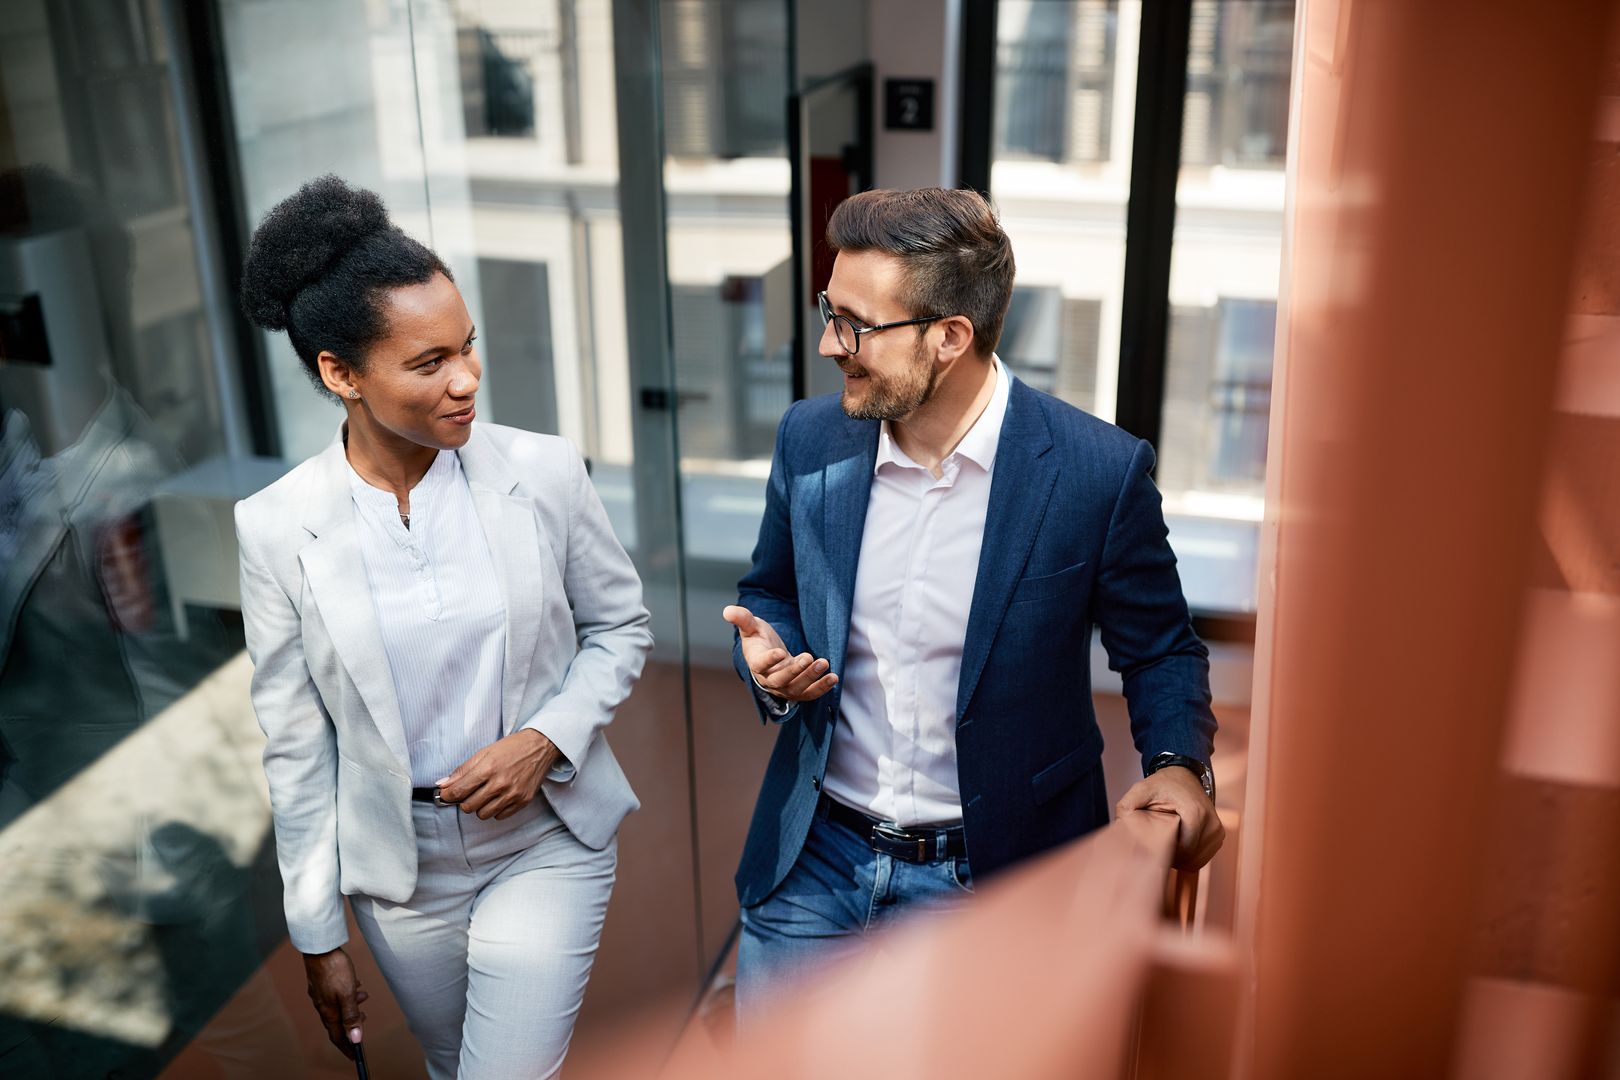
pixel 1205 774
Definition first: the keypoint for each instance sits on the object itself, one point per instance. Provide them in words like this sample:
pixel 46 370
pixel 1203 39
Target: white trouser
pixel 489 957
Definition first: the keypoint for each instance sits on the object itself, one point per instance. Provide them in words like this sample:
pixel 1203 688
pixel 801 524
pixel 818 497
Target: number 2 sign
pixel 908 104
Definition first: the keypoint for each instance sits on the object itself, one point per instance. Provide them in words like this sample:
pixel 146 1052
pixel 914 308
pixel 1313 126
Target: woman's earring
pixel 354 393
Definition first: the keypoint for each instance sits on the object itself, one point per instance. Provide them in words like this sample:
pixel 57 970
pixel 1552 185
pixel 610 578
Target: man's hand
pixel 335 990
pixel 503 777
pixel 1175 790
pixel 792 678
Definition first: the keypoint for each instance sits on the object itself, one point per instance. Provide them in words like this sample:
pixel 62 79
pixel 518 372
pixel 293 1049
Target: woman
pixel 441 624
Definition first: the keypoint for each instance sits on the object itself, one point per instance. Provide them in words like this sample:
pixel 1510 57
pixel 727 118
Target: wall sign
pixel 908 104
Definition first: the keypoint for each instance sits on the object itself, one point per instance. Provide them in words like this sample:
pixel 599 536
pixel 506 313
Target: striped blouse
pixel 441 613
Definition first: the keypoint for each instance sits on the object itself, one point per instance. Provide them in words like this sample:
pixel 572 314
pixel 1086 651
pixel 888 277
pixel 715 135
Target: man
pixel 937 544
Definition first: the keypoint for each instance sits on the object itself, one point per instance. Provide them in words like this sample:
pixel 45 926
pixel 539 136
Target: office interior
pixel 1352 266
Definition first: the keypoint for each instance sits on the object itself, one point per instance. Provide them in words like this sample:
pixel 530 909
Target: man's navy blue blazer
pixel 1074 536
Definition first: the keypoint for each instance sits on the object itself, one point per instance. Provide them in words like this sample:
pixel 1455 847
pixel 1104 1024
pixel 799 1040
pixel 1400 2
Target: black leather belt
pixel 915 845
pixel 428 794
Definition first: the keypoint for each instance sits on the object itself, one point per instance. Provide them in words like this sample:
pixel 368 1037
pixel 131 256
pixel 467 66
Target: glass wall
pixel 729 240
pixel 137 880
pixel 140 918
pixel 1065 97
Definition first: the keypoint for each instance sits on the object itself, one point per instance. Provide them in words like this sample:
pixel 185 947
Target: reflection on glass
pixel 132 834
pixel 1225 267
pixel 1060 176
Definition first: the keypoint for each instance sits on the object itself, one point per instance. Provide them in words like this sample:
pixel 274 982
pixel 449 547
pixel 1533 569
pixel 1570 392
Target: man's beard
pixel 894 397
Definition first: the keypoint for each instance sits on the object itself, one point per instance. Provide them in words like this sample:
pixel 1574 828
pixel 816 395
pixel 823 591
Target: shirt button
pixel 815 782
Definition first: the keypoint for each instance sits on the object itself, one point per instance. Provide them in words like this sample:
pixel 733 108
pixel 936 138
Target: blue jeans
pixel 838 892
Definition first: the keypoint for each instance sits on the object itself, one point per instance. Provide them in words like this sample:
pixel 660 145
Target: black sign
pixel 908 104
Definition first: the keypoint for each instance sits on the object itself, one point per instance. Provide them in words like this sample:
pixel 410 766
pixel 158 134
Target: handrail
pixel 1050 960
pixel 1180 907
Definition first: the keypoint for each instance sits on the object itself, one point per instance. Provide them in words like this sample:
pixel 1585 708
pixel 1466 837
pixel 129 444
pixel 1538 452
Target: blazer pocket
pixel 1049 585
pixel 1066 771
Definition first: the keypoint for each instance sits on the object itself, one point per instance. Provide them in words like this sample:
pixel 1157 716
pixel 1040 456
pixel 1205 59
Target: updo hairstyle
pixel 319 267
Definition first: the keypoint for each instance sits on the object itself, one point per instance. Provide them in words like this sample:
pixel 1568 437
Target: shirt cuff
pixel 774 705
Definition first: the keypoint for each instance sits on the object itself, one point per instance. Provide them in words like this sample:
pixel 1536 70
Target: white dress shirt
pixel 441 614
pixel 894 751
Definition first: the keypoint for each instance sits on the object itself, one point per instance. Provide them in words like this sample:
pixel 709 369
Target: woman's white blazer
pixel 340 788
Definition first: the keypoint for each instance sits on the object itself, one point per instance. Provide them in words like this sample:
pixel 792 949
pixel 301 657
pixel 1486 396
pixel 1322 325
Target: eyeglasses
pixel 849 334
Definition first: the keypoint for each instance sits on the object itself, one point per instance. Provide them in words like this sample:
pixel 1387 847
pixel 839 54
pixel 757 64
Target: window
pixel 516 339
pixel 1030 335
pixel 1236 110
pixel 497 89
pixel 1225 264
pixel 763 376
pixel 1050 342
pixel 1217 397
pixel 1240 392
pixel 1202 258
pixel 724 83
pixel 1077 359
pixel 1060 178
pixel 1055 79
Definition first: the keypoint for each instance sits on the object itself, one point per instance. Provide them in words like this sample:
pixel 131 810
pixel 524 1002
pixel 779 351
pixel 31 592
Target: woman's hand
pixel 503 777
pixel 335 989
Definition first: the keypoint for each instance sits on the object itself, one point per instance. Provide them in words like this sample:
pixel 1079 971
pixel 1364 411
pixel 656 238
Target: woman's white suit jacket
pixel 340 788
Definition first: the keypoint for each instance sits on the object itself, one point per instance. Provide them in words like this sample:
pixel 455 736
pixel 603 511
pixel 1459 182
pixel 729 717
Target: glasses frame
pixel 828 315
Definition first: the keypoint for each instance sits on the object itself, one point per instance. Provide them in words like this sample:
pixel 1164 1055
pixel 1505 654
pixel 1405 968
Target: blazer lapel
pixel 1020 489
pixel 336 572
pixel 846 487
pixel 510 531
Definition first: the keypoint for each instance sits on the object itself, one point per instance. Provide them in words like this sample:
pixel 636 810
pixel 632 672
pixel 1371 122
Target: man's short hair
pixel 957 259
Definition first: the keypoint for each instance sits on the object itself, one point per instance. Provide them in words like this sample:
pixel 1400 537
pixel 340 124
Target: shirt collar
pixel 980 442
pixel 444 468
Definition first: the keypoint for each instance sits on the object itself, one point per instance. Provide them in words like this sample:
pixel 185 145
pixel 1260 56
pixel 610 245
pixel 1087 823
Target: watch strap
pixel 1200 769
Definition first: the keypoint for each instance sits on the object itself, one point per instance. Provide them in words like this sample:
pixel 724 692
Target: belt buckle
pixel 437 801
pixel 894 835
